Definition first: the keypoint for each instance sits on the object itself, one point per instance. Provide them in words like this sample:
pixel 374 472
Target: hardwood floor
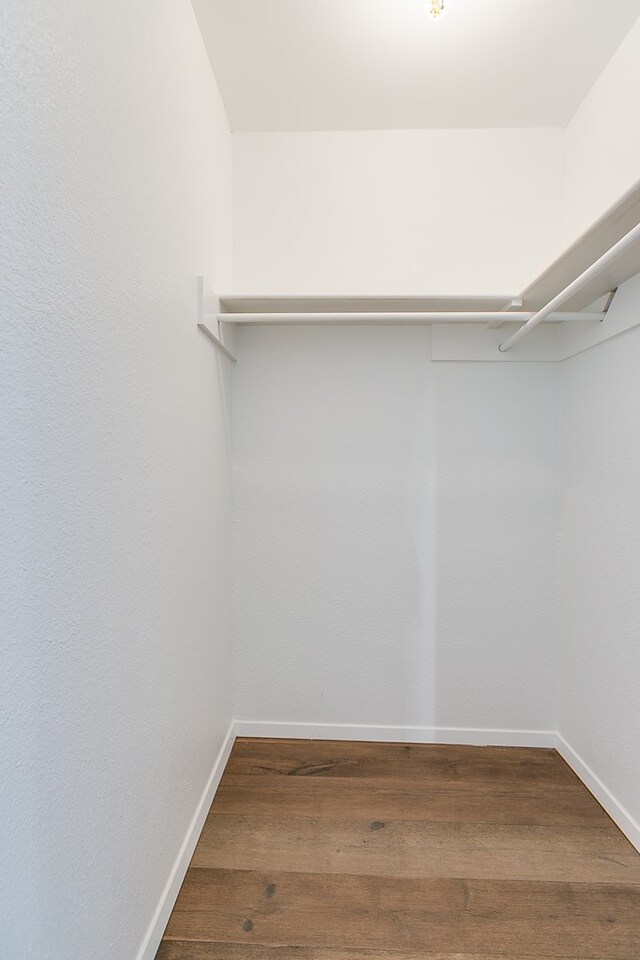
pixel 318 850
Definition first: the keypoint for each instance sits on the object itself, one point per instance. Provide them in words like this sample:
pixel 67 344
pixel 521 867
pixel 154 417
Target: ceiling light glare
pixel 436 9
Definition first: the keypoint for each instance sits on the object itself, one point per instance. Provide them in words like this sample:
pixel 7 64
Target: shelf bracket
pixel 203 325
pixel 515 304
pixel 608 302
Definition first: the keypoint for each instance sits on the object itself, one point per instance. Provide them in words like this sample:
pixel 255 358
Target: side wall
pixel 115 161
pixel 603 140
pixel 395 533
pixel 600 560
pixel 392 211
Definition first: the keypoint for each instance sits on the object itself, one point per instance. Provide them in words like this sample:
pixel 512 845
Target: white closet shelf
pixel 400 318
pixel 618 221
pixel 299 304
pixel 592 268
pixel 621 218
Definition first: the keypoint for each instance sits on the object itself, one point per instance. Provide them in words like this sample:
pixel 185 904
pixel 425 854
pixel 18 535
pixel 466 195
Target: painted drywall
pixel 420 211
pixel 497 493
pixel 115 162
pixel 394 534
pixel 603 140
pixel 599 564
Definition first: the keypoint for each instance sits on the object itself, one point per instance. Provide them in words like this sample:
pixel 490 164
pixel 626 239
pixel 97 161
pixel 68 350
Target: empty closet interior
pixel 321 393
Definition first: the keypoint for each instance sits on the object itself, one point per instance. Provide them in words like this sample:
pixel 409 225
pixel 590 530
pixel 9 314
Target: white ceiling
pixel 384 64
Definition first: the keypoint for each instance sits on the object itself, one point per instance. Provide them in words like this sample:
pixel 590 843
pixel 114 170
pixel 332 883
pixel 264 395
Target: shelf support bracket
pixel 515 304
pixel 203 325
pixel 608 302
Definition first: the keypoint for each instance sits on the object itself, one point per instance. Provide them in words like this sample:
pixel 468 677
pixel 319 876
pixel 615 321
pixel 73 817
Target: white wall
pixel 394 528
pixel 603 140
pixel 114 581
pixel 420 211
pixel 497 454
pixel 600 557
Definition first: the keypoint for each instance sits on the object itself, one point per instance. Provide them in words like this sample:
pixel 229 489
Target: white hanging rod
pixel 596 268
pixel 399 318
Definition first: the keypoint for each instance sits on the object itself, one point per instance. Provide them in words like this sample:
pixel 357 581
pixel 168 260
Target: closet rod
pixel 596 268
pixel 355 317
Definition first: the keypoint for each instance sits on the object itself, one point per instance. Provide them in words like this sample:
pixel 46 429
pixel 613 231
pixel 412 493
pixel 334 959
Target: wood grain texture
pixel 413 849
pixel 412 761
pixel 200 950
pixel 358 851
pixel 449 915
pixel 460 801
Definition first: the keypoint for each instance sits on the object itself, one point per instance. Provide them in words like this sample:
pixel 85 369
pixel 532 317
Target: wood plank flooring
pixel 319 850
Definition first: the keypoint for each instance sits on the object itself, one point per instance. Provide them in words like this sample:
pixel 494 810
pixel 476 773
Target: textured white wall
pixel 600 557
pixel 395 529
pixel 497 455
pixel 603 140
pixel 114 580
pixel 420 211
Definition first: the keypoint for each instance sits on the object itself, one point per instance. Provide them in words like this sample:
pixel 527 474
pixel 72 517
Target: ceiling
pixel 384 64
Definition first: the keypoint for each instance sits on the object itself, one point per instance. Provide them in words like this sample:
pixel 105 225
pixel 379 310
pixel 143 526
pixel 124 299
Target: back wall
pixel 396 211
pixel 395 532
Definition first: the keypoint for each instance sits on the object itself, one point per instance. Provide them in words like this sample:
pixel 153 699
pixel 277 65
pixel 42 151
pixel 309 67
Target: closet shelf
pixel 618 221
pixel 591 269
pixel 324 304
pixel 401 318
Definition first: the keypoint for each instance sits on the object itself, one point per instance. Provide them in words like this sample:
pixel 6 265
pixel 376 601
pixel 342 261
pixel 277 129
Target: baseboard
pixel 603 795
pixel 153 936
pixel 395 734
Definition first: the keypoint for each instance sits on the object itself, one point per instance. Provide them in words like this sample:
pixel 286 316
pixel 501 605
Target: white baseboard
pixel 153 936
pixel 392 734
pixel 603 795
